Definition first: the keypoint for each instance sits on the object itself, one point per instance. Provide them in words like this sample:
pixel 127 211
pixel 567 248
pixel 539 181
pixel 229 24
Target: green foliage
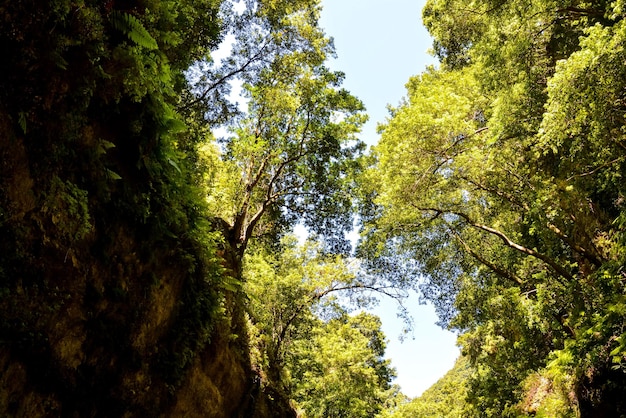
pixel 286 291
pixel 549 394
pixel 331 367
pixel 222 180
pixel 446 398
pixel 68 209
pixel 103 211
pixel 133 28
pixel 340 371
pixel 501 176
pixel 292 154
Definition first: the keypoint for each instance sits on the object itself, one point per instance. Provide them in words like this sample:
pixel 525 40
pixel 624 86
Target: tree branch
pixel 597 261
pixel 501 194
pixel 511 199
pixel 507 241
pixel 595 170
pixel 499 271
pixel 311 298
pixel 223 79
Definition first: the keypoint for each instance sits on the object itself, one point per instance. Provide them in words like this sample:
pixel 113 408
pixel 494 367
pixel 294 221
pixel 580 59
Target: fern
pixel 132 27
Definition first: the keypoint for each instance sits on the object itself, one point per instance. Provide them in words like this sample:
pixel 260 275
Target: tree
pixel 293 297
pixel 445 398
pixel 294 149
pixel 340 371
pixel 285 292
pixel 499 176
pixel 290 156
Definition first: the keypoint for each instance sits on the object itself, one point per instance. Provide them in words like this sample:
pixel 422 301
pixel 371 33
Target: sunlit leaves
pixel 340 371
pixel 294 144
pixel 446 398
pixel 501 177
pixel 309 347
pixel 584 119
pixel 420 144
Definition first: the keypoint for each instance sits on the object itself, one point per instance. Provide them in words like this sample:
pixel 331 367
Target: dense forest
pixel 500 178
pixel 148 260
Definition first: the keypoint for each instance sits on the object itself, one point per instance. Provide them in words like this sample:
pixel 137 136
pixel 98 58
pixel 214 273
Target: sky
pixel 380 44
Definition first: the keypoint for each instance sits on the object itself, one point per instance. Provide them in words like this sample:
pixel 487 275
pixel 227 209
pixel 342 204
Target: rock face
pixel 112 301
pixel 116 324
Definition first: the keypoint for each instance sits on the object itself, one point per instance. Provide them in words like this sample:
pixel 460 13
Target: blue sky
pixel 380 44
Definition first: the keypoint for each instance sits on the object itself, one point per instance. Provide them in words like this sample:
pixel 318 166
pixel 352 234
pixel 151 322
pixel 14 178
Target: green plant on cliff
pixel 107 255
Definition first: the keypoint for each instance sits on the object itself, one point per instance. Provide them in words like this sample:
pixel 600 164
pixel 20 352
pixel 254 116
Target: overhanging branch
pixel 506 240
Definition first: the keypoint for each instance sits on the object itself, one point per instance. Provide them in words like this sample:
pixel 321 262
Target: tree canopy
pixel 292 153
pixel 500 175
pixel 138 249
pixel 308 344
pixel 445 398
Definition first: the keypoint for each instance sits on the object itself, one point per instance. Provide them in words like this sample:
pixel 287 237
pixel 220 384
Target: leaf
pixel 104 146
pixel 112 175
pixel 176 125
pixel 231 284
pixel 22 121
pixel 132 27
pixel 59 61
pixel 174 164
